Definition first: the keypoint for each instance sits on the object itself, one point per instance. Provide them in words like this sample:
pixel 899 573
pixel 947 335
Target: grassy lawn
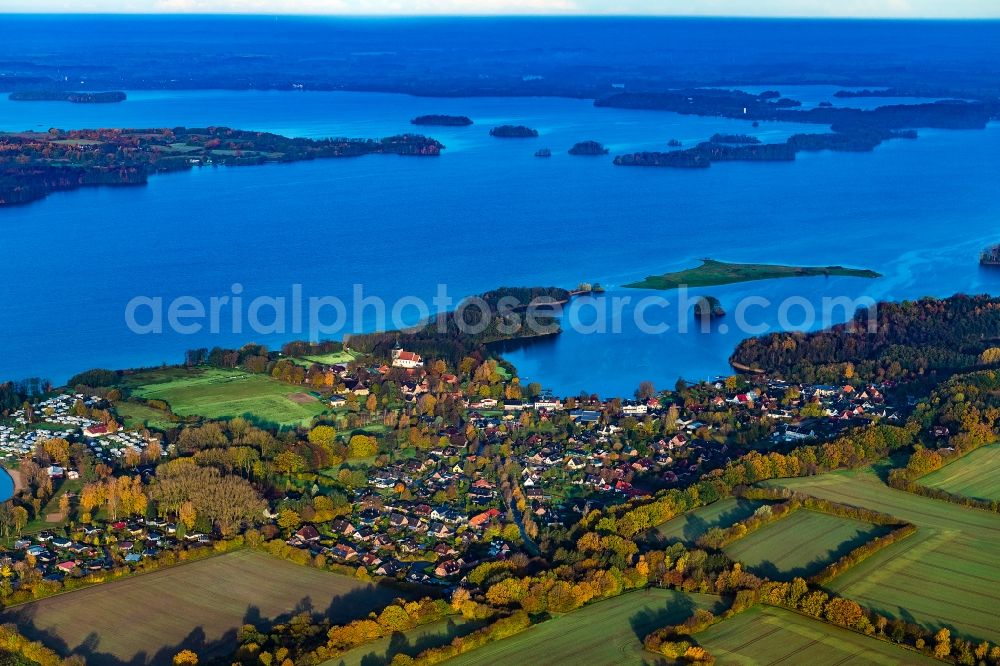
pixel 693 524
pixel 149 618
pixel 411 643
pixel 767 635
pixel 713 272
pixel 219 394
pixel 801 544
pixel 138 415
pixel 975 475
pixel 945 574
pixel 335 358
pixel 607 632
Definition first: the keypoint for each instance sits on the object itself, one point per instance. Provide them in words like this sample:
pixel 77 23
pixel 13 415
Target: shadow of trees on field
pixel 674 611
pixel 771 570
pixel 400 643
pixel 129 634
pixel 695 525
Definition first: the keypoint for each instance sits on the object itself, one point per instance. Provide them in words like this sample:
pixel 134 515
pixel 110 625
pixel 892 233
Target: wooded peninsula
pixel 854 130
pixel 712 272
pixel 33 164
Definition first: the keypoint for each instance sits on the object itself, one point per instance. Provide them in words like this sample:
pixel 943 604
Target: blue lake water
pixel 6 485
pixel 485 214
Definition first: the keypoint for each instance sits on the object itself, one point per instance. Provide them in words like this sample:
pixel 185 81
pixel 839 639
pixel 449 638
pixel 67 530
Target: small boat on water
pixel 990 256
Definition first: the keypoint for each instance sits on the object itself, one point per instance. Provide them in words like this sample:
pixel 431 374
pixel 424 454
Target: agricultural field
pixel 975 475
pixel 801 544
pixel 199 605
pixel 768 635
pixel 607 632
pixel 412 642
pixel 220 394
pixel 691 525
pixel 945 574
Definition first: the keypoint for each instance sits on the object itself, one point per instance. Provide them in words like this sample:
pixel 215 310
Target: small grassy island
pixel 514 132
pixel 109 97
pixel 588 148
pixel 712 272
pixel 443 120
pixel 34 164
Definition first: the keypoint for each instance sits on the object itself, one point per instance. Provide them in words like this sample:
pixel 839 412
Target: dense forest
pixel 908 339
pixel 33 164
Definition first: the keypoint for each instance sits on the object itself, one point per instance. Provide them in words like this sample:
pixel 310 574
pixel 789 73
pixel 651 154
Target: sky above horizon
pixel 960 9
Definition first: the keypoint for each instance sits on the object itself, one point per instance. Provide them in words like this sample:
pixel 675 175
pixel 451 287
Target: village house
pixel 480 521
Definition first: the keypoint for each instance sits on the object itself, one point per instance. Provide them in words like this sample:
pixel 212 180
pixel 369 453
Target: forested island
pixel 712 272
pixel 109 97
pixel 588 148
pixel 513 132
pixel 33 164
pixel 702 155
pixel 681 159
pixel 746 106
pixel 852 129
pixel 442 120
pixel 744 148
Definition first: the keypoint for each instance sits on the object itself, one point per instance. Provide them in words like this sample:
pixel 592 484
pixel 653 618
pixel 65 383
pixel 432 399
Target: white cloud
pixel 815 8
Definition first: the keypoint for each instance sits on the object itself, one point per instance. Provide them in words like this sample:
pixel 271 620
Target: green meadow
pixel 801 544
pixel 607 632
pixel 975 475
pixel 769 635
pixel 222 394
pixel 691 525
pixel 945 574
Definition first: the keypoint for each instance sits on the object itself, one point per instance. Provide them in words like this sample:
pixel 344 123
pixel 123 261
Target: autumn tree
pixel 185 658
pixel 362 446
